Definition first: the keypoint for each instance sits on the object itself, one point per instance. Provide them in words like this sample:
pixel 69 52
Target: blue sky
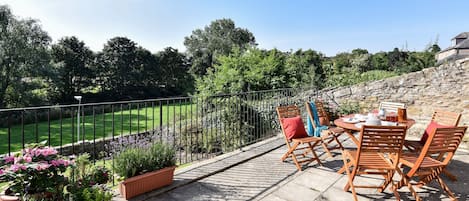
pixel 330 26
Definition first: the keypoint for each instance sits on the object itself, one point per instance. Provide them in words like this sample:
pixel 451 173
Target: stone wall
pixel 445 87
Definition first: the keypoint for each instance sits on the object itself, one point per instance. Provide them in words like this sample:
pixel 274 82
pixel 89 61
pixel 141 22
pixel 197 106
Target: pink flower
pixel 59 162
pixel 48 151
pixel 1 171
pixel 9 159
pixel 16 167
pixel 27 159
pixel 42 166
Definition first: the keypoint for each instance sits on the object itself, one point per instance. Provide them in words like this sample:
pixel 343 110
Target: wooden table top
pixel 351 126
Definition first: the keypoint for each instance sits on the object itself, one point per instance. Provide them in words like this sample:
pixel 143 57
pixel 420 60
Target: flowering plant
pixel 36 170
pixel 90 181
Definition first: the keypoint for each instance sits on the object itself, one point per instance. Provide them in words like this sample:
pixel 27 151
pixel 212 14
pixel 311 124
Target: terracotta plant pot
pixel 140 184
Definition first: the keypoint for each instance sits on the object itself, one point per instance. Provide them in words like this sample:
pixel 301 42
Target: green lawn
pixel 133 121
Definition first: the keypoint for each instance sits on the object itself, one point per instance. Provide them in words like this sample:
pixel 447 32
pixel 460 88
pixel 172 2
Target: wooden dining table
pixel 351 128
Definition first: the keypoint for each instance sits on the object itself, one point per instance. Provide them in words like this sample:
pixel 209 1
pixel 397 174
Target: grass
pixel 99 127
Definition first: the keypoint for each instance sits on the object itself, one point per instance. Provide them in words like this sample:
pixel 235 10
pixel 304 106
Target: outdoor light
pixel 78 98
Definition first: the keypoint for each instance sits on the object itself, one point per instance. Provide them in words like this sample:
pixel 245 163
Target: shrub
pixel 35 172
pixel 348 108
pixel 90 181
pixel 133 161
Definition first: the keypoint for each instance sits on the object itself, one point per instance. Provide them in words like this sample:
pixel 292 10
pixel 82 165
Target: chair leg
pixel 446 188
pixel 324 146
pixel 316 157
pixel 406 181
pixel 336 137
pixel 387 181
pixel 351 176
pixel 295 160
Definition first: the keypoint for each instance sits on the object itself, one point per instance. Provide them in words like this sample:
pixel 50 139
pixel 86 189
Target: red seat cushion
pixel 294 127
pixel 432 126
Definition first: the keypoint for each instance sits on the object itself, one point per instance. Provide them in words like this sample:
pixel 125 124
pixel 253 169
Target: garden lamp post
pixel 78 98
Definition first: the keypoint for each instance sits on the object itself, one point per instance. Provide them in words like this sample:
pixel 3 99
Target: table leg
pixel 350 134
pixel 355 140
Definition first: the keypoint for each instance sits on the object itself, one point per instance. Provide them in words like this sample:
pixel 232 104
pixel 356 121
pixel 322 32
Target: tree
pixel 119 66
pixel 175 68
pixel 243 71
pixel 379 61
pixel 305 68
pixel 341 61
pixel 23 53
pixel 72 64
pixel 215 40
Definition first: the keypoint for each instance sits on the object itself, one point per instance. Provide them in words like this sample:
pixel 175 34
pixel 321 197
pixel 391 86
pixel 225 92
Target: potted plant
pixel 37 173
pixel 144 168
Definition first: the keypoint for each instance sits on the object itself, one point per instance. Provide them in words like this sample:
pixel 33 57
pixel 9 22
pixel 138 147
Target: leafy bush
pixel 134 161
pixel 355 77
pixel 89 183
pixel 35 172
pixel 348 108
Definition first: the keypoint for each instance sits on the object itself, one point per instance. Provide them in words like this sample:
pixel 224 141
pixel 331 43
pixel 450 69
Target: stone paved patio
pixel 256 173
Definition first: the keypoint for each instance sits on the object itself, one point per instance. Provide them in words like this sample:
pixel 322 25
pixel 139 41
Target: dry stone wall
pixel 445 87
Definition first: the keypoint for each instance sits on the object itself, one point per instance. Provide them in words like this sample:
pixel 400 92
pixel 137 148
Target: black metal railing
pixel 198 127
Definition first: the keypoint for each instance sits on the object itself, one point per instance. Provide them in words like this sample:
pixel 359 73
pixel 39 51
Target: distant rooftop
pixel 462 35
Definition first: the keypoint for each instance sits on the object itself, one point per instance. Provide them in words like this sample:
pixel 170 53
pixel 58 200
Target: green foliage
pixel 133 161
pixel 23 55
pixel 72 71
pixel 354 77
pixel 304 68
pixel 175 68
pixel 119 65
pixel 95 193
pixel 89 183
pixel 36 171
pixel 216 39
pixel 237 123
pixel 348 108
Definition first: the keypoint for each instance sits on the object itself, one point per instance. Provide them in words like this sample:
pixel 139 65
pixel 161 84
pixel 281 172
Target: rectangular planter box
pixel 140 184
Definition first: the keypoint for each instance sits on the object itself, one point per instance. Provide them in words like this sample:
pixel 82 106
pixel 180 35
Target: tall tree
pixel 72 61
pixel 119 65
pixel 217 39
pixel 23 52
pixel 175 68
pixel 305 68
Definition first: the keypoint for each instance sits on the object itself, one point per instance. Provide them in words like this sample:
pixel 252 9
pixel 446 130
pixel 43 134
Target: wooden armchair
pixel 443 142
pixel 329 135
pixel 304 144
pixel 378 153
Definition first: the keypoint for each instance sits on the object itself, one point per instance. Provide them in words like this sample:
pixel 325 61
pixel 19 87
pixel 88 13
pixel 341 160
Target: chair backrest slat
pixel 287 112
pixel 446 117
pixel 391 106
pixel 384 139
pixel 322 113
pixel 444 142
